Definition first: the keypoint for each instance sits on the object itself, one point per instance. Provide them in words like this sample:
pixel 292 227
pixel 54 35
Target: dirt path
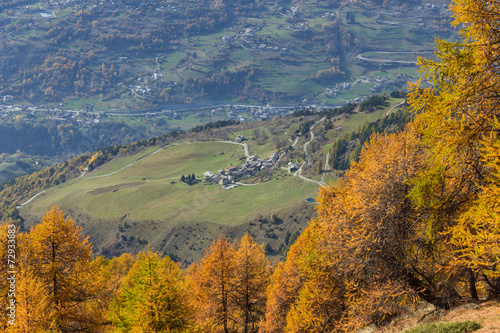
pixel 128 165
pixel 299 172
pixel 326 167
pixel 31 199
pixel 243 184
pixel 395 106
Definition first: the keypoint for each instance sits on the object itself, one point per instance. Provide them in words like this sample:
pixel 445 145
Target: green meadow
pixel 150 188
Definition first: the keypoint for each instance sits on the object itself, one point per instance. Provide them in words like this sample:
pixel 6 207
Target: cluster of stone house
pixel 253 165
pixel 292 167
pixel 220 177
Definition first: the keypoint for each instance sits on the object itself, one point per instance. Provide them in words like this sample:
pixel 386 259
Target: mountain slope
pixel 138 197
pixel 128 54
pixel 146 201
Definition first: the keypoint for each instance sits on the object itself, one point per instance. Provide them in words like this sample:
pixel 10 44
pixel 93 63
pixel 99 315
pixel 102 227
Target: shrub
pixel 459 327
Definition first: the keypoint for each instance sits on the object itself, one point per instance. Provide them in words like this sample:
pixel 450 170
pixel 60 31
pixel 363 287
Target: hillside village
pixel 230 176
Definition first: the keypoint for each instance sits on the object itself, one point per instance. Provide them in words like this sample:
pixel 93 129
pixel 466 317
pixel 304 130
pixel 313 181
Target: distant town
pixel 87 115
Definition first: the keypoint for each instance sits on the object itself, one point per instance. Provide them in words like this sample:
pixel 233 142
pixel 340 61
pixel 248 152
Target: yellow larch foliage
pixel 59 261
pixel 249 281
pixel 211 291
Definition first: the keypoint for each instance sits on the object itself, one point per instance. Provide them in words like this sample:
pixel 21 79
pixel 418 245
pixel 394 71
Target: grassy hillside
pixel 150 189
pixel 138 198
pixel 147 201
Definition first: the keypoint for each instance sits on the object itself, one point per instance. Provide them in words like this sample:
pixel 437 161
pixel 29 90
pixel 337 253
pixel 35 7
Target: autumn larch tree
pixel 305 294
pixel 153 297
pixel 212 290
pixel 117 268
pixel 458 118
pixel 250 280
pixel 33 303
pixel 418 215
pixel 59 261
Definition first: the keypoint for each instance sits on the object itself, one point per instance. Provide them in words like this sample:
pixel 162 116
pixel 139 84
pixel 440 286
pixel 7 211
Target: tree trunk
pixel 426 294
pixel 472 285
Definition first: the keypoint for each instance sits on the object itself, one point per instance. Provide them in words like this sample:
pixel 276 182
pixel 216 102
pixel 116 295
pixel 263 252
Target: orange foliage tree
pixel 211 292
pixel 250 280
pixel 458 118
pixel 229 286
pixel 418 215
pixel 305 293
pixel 59 261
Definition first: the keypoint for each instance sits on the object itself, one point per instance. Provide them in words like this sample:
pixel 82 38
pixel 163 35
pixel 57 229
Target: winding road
pixel 376 60
pixel 392 108
pixel 298 173
pixel 326 167
pixel 360 57
pixel 31 199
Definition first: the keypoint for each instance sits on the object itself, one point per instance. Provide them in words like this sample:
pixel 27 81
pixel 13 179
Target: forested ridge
pixel 64 140
pixel 416 218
